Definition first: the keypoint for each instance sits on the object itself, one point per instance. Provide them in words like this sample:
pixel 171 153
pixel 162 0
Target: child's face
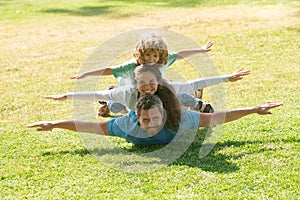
pixel 151 57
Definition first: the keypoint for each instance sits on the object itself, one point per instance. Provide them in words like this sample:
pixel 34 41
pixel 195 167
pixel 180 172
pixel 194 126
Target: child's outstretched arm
pixel 97 72
pixel 189 52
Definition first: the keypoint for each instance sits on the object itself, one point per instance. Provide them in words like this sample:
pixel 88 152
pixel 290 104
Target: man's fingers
pixel 275 104
pixel 31 125
pixel 270 105
pixel 244 71
pixel 42 129
pixel 35 125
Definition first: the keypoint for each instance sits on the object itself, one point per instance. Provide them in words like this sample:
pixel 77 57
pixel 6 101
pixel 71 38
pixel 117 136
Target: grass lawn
pixel 43 43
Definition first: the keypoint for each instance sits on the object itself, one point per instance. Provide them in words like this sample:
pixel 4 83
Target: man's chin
pixel 152 132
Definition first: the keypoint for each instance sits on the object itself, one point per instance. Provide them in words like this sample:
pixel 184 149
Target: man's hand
pixel 41 126
pixel 60 97
pixel 263 109
pixel 238 75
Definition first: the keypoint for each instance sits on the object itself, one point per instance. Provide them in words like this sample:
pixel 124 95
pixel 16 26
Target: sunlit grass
pixel 44 43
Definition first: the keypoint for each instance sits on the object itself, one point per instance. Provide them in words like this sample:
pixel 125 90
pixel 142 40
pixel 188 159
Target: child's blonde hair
pixel 151 41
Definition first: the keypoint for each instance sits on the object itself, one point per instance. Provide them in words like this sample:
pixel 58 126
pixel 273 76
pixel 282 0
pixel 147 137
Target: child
pixel 150 49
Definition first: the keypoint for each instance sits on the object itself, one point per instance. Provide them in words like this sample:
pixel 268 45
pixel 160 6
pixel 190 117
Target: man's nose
pixel 150 123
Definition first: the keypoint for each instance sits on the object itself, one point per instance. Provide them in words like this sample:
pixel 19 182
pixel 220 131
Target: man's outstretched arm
pixel 210 119
pixel 100 128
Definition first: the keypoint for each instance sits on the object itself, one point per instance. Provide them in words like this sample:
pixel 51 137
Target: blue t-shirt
pixel 128 127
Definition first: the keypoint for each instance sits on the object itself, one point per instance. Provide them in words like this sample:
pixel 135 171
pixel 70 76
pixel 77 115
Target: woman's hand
pixel 238 75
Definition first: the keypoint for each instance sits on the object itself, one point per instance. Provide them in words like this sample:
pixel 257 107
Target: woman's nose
pixel 147 86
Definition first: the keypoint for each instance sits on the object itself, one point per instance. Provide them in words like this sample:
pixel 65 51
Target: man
pixel 146 126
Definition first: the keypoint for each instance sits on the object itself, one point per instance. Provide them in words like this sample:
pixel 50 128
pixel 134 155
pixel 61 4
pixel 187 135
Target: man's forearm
pixel 211 119
pixel 238 113
pixel 82 126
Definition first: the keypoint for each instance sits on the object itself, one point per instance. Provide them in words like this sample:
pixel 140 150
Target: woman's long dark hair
pixel 167 95
pixel 171 106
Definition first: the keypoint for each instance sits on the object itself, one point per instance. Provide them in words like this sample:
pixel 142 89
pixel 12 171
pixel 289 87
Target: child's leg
pixel 116 107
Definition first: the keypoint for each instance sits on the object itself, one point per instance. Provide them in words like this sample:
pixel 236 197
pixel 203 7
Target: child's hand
pixel 207 47
pixel 60 97
pixel 78 76
pixel 238 75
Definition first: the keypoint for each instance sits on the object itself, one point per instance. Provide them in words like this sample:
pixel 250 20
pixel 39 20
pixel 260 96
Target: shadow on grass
pixel 82 11
pixel 214 161
pixel 115 6
pixel 81 152
pixel 165 3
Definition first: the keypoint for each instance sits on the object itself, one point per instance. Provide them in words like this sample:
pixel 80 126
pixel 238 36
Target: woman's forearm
pixel 104 95
pixel 192 86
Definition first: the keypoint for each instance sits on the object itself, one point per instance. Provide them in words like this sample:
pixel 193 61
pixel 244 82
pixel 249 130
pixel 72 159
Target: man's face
pixel 151 120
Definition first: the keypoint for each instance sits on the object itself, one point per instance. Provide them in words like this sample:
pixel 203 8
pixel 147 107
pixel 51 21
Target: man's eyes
pixel 155 118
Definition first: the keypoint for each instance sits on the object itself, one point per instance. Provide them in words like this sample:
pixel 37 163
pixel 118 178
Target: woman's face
pixel 146 83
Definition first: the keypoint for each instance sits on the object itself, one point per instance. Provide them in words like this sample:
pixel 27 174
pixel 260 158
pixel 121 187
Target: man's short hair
pixel 147 102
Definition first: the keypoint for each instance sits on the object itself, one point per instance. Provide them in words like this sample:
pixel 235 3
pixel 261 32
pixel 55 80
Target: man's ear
pixel 137 116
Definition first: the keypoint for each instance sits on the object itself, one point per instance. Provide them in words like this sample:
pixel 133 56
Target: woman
pixel 148 79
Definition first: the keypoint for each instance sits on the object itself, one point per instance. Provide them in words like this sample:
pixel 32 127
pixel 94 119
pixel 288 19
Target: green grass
pixel 45 42
pixel 30 8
